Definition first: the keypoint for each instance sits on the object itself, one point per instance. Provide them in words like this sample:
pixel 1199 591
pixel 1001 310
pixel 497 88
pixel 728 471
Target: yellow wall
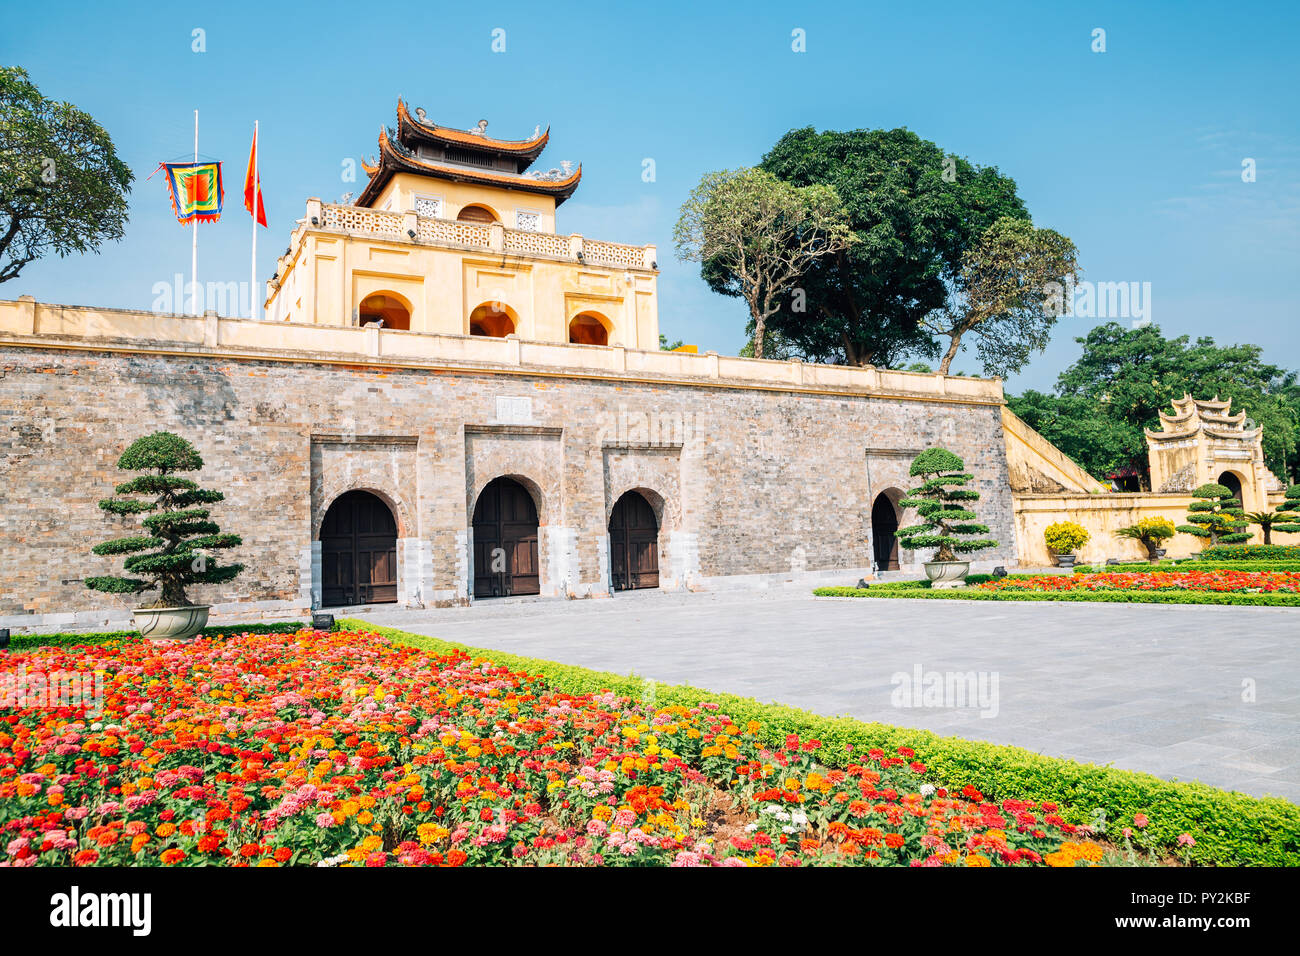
pixel 349 254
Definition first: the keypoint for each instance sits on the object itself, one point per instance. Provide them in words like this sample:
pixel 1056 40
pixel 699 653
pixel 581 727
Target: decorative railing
pixel 525 243
pixel 475 235
pixel 453 232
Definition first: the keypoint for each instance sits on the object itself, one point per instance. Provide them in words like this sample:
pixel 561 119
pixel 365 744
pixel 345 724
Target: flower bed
pixel 1219 581
pixel 343 748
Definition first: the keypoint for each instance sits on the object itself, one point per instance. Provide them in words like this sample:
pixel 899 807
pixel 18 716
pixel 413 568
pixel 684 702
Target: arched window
pixel 476 213
pixel 589 328
pixel 385 307
pixel 494 319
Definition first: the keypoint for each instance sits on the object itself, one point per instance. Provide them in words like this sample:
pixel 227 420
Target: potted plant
pixel 1215 514
pixel 1063 539
pixel 947 524
pixel 1151 533
pixel 176 549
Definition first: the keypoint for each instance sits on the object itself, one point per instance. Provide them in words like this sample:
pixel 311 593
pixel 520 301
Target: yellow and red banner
pixel 196 191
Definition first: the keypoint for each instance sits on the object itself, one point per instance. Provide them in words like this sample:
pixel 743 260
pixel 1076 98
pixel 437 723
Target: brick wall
pixel 750 484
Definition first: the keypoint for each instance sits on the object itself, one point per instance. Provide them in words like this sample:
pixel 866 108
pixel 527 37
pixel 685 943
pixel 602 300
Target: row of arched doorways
pixel 359 545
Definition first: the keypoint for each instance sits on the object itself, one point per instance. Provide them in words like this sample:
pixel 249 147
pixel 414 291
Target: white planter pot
pixel 946 574
pixel 171 623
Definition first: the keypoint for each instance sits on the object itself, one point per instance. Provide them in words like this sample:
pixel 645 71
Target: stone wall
pixel 752 485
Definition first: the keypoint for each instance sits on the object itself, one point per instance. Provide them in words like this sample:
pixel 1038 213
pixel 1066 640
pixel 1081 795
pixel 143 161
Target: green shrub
pixel 65 639
pixel 1253 552
pixel 1231 829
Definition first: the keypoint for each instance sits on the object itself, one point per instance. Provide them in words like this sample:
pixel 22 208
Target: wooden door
pixel 358 541
pixel 884 539
pixel 634 543
pixel 505 541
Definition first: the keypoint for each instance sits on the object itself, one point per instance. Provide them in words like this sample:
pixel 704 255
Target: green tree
pixel 1215 515
pixel 763 232
pixel 1097 444
pixel 1124 377
pixel 62 187
pixel 1151 533
pixel 941 500
pixel 914 211
pixel 1003 295
pixel 176 550
pixel 666 346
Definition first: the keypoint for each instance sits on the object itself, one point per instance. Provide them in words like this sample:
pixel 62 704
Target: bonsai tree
pixel 947 524
pixel 1215 515
pixel 1065 537
pixel 175 551
pixel 1152 533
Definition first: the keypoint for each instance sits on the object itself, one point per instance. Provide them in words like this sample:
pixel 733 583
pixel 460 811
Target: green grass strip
pixel 1231 829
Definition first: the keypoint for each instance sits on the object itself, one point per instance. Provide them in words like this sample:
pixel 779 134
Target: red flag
pixel 253 183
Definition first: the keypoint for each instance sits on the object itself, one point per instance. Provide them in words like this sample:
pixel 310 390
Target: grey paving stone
pixel 1145 687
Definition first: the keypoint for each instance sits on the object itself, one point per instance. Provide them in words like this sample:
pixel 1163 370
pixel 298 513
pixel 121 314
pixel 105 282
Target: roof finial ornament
pixel 480 128
pixel 419 113
pixel 566 166
pixel 537 131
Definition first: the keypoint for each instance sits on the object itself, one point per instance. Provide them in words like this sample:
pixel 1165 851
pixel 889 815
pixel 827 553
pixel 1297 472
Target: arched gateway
pixel 358 546
pixel 505 541
pixel 884 533
pixel 633 543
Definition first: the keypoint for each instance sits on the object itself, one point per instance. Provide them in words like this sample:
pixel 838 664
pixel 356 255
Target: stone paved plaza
pixel 1142 687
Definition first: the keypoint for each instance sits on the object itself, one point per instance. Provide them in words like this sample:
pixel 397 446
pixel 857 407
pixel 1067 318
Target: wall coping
pixel 26 323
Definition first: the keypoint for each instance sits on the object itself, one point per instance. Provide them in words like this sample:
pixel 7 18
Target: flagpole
pixel 194 251
pixel 256 183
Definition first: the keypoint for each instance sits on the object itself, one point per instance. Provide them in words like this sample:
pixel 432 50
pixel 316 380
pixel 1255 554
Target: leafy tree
pixel 1003 295
pixel 1215 514
pixel 764 232
pixel 1137 372
pixel 62 187
pixel 175 551
pixel 1123 379
pixel 914 211
pixel 666 346
pixel 1076 425
pixel 1151 533
pixel 941 499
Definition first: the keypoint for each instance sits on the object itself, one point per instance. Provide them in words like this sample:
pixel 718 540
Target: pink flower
pixel 324 820
pixel 1140 820
pixel 1185 839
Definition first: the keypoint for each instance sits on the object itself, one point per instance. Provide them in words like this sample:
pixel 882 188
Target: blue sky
pixel 1134 153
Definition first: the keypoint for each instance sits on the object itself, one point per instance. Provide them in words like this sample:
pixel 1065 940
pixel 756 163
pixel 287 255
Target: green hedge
pixel 913 591
pixel 1230 828
pixel 1252 552
pixel 20 642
